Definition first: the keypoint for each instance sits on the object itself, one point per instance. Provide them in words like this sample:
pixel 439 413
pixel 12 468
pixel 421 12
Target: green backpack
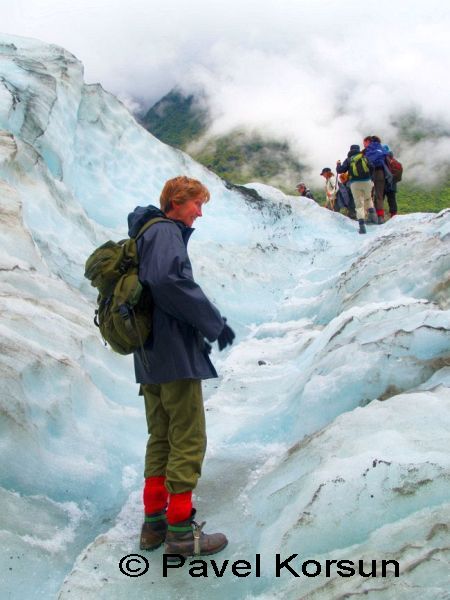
pixel 359 166
pixel 124 313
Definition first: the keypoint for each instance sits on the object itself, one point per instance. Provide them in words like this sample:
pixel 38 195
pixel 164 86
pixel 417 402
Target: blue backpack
pixel 375 154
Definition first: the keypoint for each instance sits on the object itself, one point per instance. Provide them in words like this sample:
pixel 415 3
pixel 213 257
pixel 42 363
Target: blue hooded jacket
pixel 376 155
pixel 182 315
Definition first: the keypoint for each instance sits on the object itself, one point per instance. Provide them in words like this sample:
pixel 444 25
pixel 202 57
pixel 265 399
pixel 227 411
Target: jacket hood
pixel 140 216
pixel 353 152
pixel 378 146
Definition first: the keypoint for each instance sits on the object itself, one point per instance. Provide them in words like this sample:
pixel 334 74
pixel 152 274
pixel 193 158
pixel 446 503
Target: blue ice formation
pixel 328 427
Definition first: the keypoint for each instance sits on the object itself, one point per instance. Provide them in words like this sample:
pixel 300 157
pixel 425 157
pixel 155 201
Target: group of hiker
pixel 365 178
pixel 149 304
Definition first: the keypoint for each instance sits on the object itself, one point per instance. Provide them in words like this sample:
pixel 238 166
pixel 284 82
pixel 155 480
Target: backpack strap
pixel 144 227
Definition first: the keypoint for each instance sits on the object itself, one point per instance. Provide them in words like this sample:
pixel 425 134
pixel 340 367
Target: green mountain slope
pixel 176 119
pixel 239 157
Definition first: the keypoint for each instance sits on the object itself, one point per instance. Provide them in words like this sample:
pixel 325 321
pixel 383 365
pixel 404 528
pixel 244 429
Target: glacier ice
pixel 328 427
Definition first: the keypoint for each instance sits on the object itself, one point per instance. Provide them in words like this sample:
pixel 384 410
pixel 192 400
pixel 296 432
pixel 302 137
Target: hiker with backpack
pixel 376 155
pixel 170 366
pixel 330 187
pixel 393 174
pixel 344 197
pixel 359 173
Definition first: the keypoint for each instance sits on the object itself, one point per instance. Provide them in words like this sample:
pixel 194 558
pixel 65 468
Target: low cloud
pixel 319 75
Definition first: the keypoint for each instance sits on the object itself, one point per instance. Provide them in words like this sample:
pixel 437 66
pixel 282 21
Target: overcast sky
pixel 319 73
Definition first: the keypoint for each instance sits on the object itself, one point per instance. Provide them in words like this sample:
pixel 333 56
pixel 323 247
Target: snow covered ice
pixel 328 427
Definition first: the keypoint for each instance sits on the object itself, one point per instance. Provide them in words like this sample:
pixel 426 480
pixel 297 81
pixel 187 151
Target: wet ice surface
pixel 328 427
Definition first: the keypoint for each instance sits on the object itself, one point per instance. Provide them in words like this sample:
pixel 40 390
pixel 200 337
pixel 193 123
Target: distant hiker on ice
pixel 344 197
pixel 376 155
pixel 359 172
pixel 304 191
pixel 330 187
pixel 174 360
pixel 393 174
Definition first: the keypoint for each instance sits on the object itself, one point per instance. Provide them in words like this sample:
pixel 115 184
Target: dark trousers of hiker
pixel 392 201
pixel 378 189
pixel 176 426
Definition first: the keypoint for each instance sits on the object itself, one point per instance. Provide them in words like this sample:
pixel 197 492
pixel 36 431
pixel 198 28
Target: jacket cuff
pixel 212 336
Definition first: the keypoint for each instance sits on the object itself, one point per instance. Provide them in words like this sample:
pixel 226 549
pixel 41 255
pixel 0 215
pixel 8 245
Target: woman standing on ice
pixel 176 360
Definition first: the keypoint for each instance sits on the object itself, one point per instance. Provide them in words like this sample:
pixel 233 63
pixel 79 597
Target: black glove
pixel 203 345
pixel 226 336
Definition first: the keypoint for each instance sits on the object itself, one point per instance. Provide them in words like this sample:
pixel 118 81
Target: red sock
pixel 380 212
pixel 180 507
pixel 155 494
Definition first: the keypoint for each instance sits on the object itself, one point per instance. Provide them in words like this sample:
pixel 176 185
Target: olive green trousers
pixel 177 434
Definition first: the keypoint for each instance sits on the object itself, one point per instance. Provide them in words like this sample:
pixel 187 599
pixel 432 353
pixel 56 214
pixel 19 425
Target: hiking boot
pixel 153 532
pixel 380 219
pixel 372 216
pixel 362 227
pixel 187 538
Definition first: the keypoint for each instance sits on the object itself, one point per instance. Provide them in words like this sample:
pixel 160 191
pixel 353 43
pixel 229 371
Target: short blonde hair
pixel 181 189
